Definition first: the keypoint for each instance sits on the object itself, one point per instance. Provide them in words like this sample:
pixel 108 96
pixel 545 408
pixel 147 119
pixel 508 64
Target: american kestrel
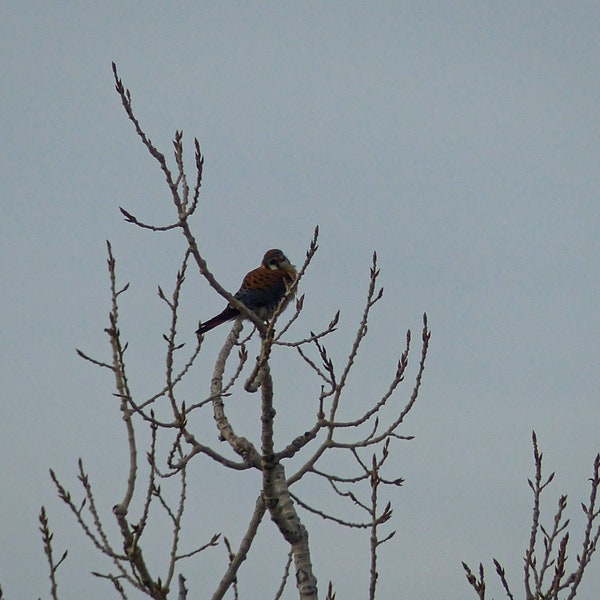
pixel 261 291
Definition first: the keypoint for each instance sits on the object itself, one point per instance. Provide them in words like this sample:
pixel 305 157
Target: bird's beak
pixel 288 268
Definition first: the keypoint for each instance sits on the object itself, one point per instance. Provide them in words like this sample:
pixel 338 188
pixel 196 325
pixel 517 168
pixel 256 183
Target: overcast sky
pixel 460 140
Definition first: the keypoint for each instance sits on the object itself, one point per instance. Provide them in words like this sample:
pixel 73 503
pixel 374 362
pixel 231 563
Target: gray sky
pixel 459 140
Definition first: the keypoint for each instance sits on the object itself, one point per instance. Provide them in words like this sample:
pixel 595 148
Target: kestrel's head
pixel 276 259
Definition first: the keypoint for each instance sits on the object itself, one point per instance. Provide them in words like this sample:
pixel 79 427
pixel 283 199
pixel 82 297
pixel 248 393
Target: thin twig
pixel 47 536
pixel 284 577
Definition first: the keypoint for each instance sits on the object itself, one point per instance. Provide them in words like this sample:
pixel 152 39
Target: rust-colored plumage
pixel 261 291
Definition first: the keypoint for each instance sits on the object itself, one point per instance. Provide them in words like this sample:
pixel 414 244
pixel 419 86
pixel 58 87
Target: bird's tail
pixel 228 314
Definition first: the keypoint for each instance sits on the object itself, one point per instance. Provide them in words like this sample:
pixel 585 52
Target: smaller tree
pixel 547 574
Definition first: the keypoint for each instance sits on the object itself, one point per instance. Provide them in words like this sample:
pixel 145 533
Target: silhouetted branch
pixel 47 537
pixel 552 563
pixel 239 557
pixel 477 583
pixel 284 577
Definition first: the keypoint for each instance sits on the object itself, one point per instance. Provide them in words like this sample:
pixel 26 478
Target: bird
pixel 261 291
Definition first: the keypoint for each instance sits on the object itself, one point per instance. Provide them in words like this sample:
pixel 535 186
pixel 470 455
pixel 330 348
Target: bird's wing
pixel 263 288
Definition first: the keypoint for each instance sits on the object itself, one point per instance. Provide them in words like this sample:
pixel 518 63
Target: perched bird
pixel 261 291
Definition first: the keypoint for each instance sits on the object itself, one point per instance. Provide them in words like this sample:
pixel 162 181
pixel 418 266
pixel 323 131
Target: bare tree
pixel 367 438
pixel 546 570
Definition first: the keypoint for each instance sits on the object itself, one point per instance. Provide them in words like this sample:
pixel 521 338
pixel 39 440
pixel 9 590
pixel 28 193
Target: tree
pixel 548 577
pixel 367 438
